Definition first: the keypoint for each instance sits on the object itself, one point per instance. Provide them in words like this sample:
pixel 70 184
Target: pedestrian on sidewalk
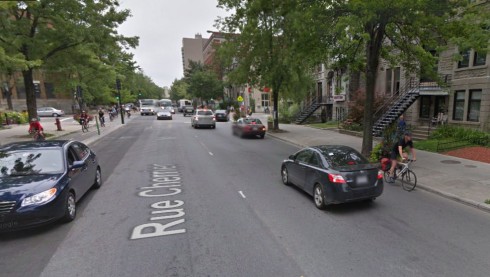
pixel 401 127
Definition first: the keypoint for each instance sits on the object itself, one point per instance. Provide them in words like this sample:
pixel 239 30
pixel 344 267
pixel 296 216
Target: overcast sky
pixel 161 25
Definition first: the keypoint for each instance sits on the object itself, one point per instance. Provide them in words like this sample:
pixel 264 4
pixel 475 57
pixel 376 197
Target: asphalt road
pixel 222 210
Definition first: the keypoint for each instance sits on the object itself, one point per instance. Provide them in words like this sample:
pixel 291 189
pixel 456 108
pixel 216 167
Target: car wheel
pixel 98 179
pixel 262 136
pixel 242 134
pixel 319 197
pixel 70 208
pixel 285 176
pixel 55 115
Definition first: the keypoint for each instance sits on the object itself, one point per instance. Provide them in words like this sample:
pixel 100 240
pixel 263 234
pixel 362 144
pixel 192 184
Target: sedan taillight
pixel 380 174
pixel 336 178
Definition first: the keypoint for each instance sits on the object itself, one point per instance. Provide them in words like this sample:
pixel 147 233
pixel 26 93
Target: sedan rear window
pixel 343 157
pixel 252 121
pixel 32 162
pixel 204 113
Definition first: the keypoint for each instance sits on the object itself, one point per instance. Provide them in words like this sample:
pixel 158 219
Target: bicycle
pixel 102 121
pixel 84 125
pixel 408 177
pixel 37 136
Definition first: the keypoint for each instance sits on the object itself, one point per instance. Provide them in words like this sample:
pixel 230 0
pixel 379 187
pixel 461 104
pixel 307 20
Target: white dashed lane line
pixel 241 193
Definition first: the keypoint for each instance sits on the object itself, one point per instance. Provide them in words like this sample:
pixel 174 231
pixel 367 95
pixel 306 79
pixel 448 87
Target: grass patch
pixel 331 124
pixel 487 201
pixel 430 144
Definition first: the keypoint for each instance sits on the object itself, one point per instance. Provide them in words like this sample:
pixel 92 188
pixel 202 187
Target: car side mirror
pixel 77 164
pixel 291 157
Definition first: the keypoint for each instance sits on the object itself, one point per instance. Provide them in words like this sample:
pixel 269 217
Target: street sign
pixel 240 98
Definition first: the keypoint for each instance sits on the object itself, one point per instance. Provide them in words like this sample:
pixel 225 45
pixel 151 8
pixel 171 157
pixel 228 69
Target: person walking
pixel 401 127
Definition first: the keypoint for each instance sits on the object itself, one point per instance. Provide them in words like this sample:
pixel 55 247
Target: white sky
pixel 161 25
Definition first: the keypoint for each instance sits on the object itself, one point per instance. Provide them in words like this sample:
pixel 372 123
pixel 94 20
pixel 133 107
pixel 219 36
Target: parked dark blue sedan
pixel 333 174
pixel 41 182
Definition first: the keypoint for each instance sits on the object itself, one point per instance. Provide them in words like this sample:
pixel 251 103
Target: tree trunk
pixel 373 48
pixel 9 100
pixel 30 94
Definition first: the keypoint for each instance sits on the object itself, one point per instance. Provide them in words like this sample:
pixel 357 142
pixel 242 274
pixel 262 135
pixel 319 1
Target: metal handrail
pixel 395 98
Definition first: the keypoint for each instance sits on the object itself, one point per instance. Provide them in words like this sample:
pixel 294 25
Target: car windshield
pixel 252 121
pixel 341 156
pixel 220 111
pixel 31 162
pixel 204 113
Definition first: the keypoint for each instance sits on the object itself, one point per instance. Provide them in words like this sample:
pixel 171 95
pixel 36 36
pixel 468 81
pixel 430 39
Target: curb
pixel 481 206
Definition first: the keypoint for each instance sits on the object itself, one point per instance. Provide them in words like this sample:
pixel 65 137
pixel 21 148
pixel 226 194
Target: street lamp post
pixel 118 87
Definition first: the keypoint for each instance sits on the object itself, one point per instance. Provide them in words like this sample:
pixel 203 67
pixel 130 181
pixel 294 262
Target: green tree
pixel 42 31
pixel 260 49
pixel 178 90
pixel 202 82
pixel 359 33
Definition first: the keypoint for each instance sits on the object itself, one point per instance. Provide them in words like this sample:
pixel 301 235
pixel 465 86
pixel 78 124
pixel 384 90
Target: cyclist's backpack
pixel 385 164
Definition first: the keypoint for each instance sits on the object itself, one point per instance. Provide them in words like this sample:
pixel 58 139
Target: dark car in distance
pixel 41 182
pixel 188 110
pixel 333 174
pixel 222 115
pixel 248 126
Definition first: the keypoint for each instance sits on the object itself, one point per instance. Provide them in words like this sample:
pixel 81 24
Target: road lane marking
pixel 241 193
pixel 211 153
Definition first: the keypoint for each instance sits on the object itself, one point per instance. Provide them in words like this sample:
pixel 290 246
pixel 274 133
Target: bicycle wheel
pixel 386 175
pixel 409 180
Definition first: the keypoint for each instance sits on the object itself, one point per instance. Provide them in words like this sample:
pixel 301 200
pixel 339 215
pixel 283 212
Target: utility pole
pixel 118 87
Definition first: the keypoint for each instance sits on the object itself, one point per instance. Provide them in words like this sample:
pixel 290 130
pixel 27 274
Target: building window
pixel 265 100
pixel 479 59
pixel 474 105
pixel 458 111
pixel 465 62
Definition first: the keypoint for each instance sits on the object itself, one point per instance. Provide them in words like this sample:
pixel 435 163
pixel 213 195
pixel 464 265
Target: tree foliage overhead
pixel 260 49
pixel 359 34
pixel 79 36
pixel 278 39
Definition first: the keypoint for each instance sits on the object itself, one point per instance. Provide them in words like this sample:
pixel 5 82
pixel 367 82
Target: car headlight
pixel 39 198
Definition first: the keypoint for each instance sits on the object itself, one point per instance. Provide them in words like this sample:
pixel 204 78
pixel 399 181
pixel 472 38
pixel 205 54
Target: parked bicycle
pixel 408 177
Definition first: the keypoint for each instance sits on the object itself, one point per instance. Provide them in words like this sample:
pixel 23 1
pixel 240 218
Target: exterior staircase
pixel 395 106
pixel 311 107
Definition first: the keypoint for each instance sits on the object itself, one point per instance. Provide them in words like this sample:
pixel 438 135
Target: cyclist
pixel 397 152
pixel 101 117
pixel 36 127
pixel 84 118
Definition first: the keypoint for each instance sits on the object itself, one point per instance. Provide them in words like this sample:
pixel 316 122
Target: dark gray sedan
pixel 333 174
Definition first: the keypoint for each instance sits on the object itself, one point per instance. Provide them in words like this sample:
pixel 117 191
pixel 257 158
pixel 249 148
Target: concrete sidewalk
pixel 462 180
pixel 70 128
